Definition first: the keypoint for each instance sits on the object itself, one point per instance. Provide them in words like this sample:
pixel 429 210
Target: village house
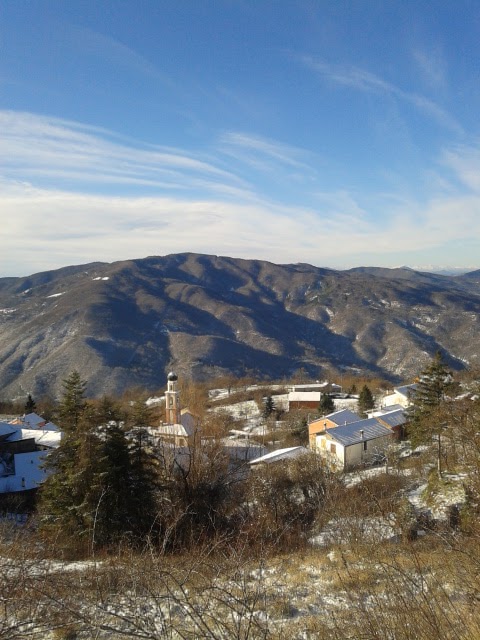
pixel 34 421
pixel 400 396
pixel 351 445
pixel 308 396
pixel 330 421
pixel 393 417
pixel 24 444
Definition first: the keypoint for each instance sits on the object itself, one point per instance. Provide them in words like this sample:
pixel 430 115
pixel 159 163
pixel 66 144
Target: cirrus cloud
pixel 70 193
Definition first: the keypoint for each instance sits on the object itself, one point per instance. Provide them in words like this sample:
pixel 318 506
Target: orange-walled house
pixel 330 421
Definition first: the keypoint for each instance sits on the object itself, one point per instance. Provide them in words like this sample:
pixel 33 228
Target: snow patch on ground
pixel 348 530
pixel 56 295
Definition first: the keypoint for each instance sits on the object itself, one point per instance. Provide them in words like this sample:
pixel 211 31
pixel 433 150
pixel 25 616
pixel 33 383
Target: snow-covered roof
pixel 281 454
pixel 177 430
pixel 407 389
pixel 304 396
pixel 50 439
pixel 34 421
pixel 360 431
pixel 316 386
pixel 383 410
pixel 243 449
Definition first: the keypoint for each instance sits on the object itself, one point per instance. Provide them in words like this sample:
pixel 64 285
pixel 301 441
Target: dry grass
pixel 423 590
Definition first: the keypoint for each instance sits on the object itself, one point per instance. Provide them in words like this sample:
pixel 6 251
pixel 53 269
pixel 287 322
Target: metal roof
pixel 387 409
pixel 394 418
pixel 360 431
pixel 344 416
pixel 407 389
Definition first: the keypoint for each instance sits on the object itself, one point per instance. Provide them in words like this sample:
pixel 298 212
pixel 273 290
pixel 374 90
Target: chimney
pixel 361 433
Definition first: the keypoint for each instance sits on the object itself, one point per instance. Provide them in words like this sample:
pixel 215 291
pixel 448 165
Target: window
pixel 333 448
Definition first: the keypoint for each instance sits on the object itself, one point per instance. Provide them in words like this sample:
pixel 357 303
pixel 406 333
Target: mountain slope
pixel 125 324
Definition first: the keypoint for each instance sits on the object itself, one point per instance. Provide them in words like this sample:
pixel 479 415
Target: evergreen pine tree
pixel 144 479
pixel 61 495
pixel 30 406
pixel 72 406
pixel 326 405
pixel 430 393
pixel 269 407
pixel 366 401
pixel 112 500
pixel 432 385
pixel 103 485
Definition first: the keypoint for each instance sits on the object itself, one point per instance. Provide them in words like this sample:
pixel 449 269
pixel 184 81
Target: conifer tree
pixel 103 484
pixel 366 401
pixel 144 471
pixel 61 495
pixel 112 500
pixel 269 407
pixel 430 394
pixel 72 406
pixel 145 491
pixel 30 406
pixel 432 386
pixel 326 405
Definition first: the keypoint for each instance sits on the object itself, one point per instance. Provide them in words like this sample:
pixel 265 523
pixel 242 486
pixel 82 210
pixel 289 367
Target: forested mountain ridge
pixel 125 324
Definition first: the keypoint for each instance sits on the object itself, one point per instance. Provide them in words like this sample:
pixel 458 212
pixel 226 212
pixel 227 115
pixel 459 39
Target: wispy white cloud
pixel 259 151
pixel 56 178
pixel 106 48
pixel 464 162
pixel 35 146
pixel 432 66
pixel 76 228
pixel 363 80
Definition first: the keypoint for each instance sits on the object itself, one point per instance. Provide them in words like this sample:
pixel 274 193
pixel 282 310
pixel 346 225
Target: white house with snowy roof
pixel 400 396
pixel 34 421
pixel 23 451
pixel 308 396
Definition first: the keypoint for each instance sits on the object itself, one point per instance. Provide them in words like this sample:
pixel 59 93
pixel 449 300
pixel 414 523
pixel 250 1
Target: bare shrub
pixel 284 500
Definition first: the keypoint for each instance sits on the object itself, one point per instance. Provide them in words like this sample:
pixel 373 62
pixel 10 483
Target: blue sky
pixel 329 132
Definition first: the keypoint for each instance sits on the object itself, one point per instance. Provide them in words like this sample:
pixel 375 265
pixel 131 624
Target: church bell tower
pixel 172 399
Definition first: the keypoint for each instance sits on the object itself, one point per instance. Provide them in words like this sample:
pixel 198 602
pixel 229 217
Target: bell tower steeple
pixel 172 399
